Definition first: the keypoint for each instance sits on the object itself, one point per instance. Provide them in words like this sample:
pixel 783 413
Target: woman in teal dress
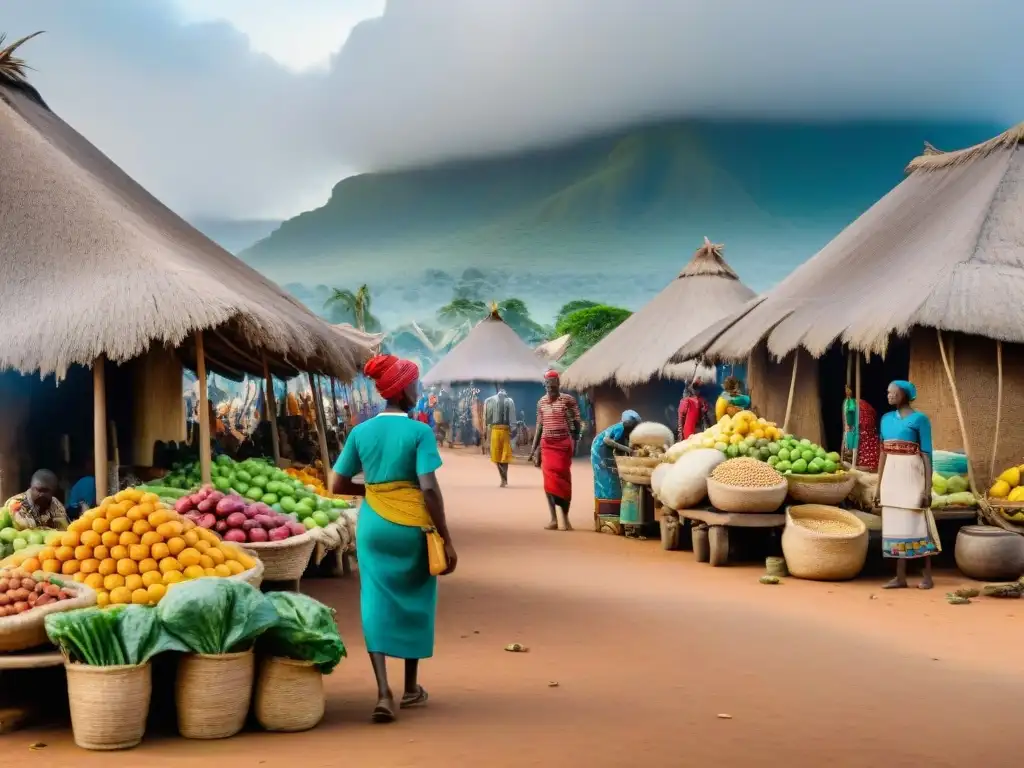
pixel 398 457
pixel 607 486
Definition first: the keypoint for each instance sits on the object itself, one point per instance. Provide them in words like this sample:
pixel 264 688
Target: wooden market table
pixel 14 709
pixel 714 525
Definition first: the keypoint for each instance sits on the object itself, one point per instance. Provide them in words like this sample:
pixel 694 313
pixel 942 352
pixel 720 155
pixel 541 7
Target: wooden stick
pixel 205 459
pixel 271 402
pixel 318 405
pixel 999 410
pixel 99 426
pixel 334 401
pixel 792 390
pixel 856 394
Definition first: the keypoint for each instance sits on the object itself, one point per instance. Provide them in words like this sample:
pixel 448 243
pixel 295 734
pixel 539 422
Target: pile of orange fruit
pixel 132 547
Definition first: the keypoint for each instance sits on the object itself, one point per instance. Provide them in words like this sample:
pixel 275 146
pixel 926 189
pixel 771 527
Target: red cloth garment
pixel 689 416
pixel 868 446
pixel 391 374
pixel 559 417
pixel 556 464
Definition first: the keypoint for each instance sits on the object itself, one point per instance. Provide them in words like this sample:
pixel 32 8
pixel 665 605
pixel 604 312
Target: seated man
pixel 82 496
pixel 36 507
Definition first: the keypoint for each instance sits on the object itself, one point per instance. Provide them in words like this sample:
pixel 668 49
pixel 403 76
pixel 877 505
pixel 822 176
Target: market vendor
pixel 732 400
pixel 37 507
pixel 693 411
pixel 82 496
pixel 608 443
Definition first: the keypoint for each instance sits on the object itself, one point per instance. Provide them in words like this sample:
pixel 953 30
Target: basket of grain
pixel 821 489
pixel 824 543
pixel 746 485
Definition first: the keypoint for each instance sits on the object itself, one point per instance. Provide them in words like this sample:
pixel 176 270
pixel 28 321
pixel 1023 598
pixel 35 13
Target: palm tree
pixel 460 310
pixel 355 305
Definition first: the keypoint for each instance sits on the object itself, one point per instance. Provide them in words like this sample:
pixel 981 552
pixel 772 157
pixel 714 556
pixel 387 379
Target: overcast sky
pixel 253 108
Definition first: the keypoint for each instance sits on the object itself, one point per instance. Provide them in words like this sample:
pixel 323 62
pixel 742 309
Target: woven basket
pixel 820 555
pixel 289 695
pixel 109 705
pixel 284 560
pixel 26 630
pixel 254 576
pixel 626 463
pixel 212 694
pixel 627 477
pixel 820 489
pixel 732 498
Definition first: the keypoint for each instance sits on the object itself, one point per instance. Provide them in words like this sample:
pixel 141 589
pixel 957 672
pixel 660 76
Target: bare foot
pixel 568 526
pixel 895 584
pixel 551 527
pixel 926 583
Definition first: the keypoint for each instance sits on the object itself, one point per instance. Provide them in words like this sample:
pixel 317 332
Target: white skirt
pixel 908 531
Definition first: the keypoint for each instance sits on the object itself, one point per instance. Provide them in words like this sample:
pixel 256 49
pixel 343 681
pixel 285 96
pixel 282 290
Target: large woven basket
pixel 732 498
pixel 627 463
pixel 26 630
pixel 284 560
pixel 212 694
pixel 824 555
pixel 109 705
pixel 289 695
pixel 254 576
pixel 820 489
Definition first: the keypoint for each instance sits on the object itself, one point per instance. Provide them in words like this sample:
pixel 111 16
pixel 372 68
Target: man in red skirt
pixel 558 430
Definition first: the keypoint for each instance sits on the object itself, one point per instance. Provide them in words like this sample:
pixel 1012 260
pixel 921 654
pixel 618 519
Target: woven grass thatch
pixel 491 352
pixel 555 349
pixel 93 264
pixel 944 249
pixel 642 347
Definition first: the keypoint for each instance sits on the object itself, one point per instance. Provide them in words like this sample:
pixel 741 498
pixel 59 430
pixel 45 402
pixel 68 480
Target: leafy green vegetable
pixel 130 634
pixel 305 631
pixel 214 615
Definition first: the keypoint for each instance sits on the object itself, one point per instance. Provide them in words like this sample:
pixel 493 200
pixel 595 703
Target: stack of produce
pixel 14 540
pixel 950 483
pixel 309 475
pixel 1007 488
pixel 21 590
pixel 239 522
pixel 259 480
pixel 746 472
pixel 132 547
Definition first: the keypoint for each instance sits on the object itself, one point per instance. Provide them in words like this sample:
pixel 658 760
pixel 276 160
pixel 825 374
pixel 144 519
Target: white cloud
pixel 234 117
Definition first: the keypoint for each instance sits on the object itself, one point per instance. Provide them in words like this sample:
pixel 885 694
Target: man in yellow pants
pixel 499 412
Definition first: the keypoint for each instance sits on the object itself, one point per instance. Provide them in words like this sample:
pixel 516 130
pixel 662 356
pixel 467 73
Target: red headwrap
pixel 391 374
pixel 552 374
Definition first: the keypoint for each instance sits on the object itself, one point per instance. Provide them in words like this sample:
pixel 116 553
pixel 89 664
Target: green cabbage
pixel 125 635
pixel 305 631
pixel 215 615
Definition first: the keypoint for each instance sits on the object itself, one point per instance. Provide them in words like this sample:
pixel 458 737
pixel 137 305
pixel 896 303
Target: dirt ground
pixel 635 655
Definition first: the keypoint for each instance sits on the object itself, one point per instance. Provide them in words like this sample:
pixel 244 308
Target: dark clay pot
pixel 987 553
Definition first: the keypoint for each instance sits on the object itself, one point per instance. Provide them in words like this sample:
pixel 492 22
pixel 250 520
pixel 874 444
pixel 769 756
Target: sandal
pixel 417 699
pixel 383 712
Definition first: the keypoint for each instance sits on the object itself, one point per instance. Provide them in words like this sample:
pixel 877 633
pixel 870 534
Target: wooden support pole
pixel 999 411
pixel 99 426
pixel 334 401
pixel 856 395
pixel 270 399
pixel 792 390
pixel 205 460
pixel 321 423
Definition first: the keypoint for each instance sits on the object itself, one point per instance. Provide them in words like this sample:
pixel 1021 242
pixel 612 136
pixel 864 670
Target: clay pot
pixel 986 553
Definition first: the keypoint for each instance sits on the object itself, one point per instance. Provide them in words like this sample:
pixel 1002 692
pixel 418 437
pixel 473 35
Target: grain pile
pixel 745 472
pixel 826 526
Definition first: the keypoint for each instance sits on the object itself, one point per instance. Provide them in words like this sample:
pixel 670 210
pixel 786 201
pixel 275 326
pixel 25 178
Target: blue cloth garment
pixel 631 416
pixel 82 492
pixel 907 387
pixel 398 596
pixel 606 475
pixel 913 428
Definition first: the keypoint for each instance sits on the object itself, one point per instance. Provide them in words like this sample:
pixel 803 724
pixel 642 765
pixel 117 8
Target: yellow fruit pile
pixel 733 430
pixel 1008 485
pixel 131 548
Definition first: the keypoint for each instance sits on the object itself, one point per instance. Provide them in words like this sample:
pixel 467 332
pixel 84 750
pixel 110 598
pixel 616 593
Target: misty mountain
pixel 611 218
pixel 235 235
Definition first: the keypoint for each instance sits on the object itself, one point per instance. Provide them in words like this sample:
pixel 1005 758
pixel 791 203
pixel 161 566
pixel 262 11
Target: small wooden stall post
pixel 792 390
pixel 318 405
pixel 271 402
pixel 99 426
pixel 205 460
pixel 856 394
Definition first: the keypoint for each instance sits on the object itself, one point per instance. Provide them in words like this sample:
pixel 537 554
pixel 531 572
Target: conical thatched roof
pixel 491 352
pixel 91 263
pixel 642 347
pixel 555 349
pixel 944 249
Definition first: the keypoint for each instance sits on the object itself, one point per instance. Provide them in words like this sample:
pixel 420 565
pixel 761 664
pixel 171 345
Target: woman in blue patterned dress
pixel 904 486
pixel 607 487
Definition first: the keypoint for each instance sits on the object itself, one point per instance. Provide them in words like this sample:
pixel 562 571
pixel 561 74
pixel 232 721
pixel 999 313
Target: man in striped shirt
pixel 558 430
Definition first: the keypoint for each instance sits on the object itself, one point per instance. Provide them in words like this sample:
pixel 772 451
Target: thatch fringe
pixel 934 159
pixel 13 68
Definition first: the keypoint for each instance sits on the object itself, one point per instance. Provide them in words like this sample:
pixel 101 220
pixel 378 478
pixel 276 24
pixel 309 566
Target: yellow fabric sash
pixel 400 502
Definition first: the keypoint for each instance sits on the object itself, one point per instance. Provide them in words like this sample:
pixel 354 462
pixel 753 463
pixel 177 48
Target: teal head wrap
pixel 907 387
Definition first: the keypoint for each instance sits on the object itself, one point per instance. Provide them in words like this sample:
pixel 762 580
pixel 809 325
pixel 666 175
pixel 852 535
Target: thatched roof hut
pixel 642 347
pixel 555 349
pixel 939 259
pixel 491 352
pixel 94 265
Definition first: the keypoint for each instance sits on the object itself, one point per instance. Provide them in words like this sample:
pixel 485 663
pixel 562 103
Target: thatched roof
pixel 642 347
pixel 944 249
pixel 555 349
pixel 491 352
pixel 93 264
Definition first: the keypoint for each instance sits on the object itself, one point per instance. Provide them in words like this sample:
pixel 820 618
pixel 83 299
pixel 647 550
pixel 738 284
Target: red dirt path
pixel 647 648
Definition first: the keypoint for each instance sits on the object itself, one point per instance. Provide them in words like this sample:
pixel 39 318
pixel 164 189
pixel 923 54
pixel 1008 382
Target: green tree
pixel 515 312
pixel 573 306
pixel 462 310
pixel 353 307
pixel 588 326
